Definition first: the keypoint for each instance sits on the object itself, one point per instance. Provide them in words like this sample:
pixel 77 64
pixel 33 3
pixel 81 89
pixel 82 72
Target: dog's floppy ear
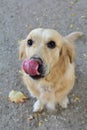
pixel 74 36
pixel 67 52
pixel 68 49
pixel 22 47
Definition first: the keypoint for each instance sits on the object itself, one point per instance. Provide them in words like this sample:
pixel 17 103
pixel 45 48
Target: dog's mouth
pixel 34 67
pixel 41 73
pixel 36 77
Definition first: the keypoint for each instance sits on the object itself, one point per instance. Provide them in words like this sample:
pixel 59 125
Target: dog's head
pixel 43 48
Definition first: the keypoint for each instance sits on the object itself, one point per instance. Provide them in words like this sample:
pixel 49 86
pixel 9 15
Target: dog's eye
pixel 30 42
pixel 51 44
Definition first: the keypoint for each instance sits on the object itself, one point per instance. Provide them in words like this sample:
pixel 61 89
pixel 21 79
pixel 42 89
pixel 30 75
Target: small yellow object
pixel 35 115
pixel 46 120
pixel 73 14
pixel 40 124
pixel 77 99
pixel 17 96
pixel 71 26
pixel 30 117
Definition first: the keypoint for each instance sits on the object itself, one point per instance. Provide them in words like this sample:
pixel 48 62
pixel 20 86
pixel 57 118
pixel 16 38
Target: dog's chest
pixel 47 93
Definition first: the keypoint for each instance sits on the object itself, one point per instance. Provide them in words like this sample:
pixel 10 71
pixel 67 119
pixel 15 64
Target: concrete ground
pixel 17 18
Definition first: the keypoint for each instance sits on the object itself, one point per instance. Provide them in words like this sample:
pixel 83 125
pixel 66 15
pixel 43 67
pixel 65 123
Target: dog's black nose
pixel 38 59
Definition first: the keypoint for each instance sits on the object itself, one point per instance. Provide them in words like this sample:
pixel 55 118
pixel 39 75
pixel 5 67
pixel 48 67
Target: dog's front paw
pixel 64 103
pixel 38 107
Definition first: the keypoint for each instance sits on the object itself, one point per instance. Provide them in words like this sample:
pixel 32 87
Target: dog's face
pixel 44 46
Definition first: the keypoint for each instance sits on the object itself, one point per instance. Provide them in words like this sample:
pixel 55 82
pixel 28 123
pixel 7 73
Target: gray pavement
pixel 17 18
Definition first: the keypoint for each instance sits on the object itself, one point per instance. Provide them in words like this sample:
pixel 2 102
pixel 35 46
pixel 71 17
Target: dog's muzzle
pixel 33 67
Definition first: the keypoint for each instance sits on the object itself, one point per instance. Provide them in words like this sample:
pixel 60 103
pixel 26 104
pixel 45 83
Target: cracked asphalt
pixel 17 19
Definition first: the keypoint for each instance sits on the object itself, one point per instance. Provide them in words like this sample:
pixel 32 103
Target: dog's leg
pixel 51 106
pixel 64 102
pixel 38 106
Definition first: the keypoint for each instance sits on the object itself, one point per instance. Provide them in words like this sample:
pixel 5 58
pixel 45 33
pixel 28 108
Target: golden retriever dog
pixel 48 66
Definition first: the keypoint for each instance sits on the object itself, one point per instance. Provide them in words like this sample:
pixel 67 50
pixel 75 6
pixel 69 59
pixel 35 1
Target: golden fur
pixel 59 78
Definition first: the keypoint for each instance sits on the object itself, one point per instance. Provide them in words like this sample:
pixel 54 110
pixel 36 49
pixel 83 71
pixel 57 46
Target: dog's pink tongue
pixel 31 67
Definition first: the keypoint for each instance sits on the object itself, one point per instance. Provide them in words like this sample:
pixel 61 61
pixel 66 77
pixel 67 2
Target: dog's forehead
pixel 48 34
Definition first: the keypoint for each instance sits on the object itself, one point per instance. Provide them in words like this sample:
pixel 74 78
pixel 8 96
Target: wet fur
pixel 57 84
